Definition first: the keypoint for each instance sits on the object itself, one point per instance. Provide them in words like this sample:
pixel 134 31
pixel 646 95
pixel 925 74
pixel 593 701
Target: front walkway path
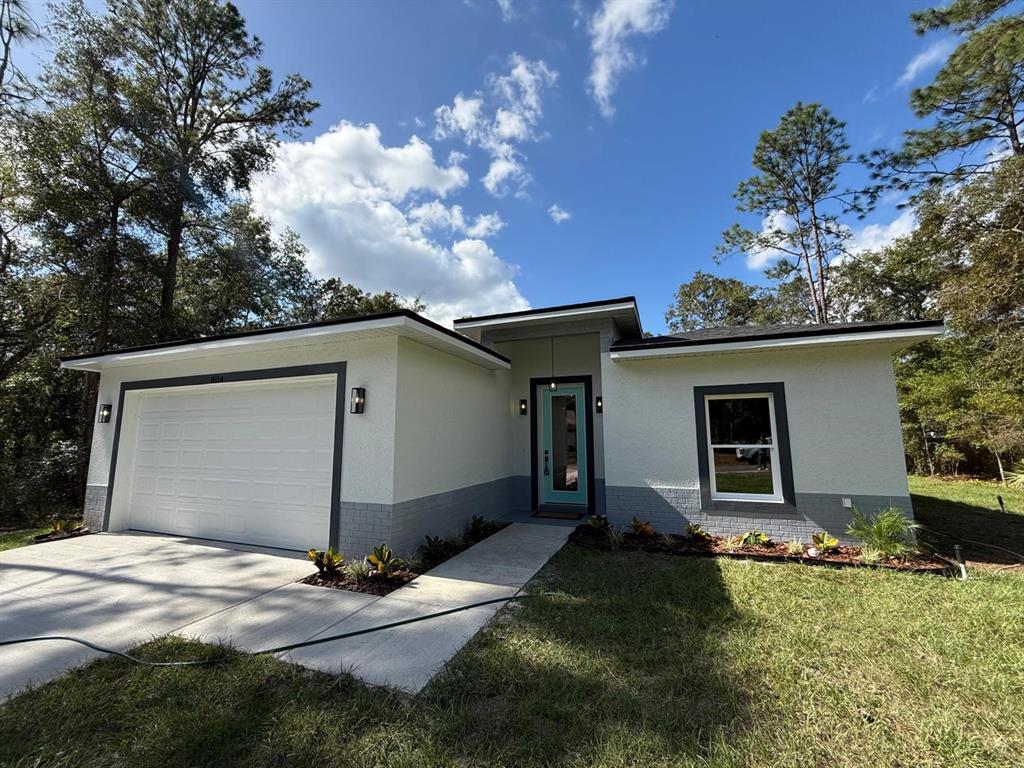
pixel 405 657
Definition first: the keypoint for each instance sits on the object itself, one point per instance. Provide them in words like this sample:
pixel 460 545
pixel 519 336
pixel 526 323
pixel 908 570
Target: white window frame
pixel 773 448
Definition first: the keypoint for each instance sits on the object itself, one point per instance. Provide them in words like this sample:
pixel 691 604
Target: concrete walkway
pixel 405 657
pixel 120 590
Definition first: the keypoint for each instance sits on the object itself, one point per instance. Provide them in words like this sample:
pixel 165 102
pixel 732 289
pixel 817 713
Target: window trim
pixel 782 504
pixel 716 495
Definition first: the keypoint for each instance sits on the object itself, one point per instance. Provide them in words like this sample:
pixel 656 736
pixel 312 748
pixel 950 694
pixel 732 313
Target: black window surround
pixel 786 507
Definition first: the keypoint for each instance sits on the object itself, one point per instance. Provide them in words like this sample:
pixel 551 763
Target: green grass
pixel 12 539
pixel 626 659
pixel 967 512
pixel 744 482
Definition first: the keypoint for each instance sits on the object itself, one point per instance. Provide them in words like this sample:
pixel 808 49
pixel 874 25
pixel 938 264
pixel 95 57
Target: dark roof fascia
pixel 811 331
pixel 548 310
pixel 297 327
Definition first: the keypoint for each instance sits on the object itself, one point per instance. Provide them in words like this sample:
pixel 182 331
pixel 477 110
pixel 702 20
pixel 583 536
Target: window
pixel 743 448
pixel 741 431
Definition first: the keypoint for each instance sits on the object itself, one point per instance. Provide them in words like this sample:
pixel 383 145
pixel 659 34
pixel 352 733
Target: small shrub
pixel 667 541
pixel 62 525
pixel 889 533
pixel 795 547
pixel 733 543
pixel 434 549
pixel 598 522
pixel 614 537
pixel 327 562
pixel 870 556
pixel 416 564
pixel 755 539
pixel 824 542
pixel 358 570
pixel 694 531
pixel 642 527
pixel 1015 477
pixel 480 528
pixel 383 560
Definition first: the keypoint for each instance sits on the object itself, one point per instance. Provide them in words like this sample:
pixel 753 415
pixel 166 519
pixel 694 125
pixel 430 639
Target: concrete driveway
pixel 119 590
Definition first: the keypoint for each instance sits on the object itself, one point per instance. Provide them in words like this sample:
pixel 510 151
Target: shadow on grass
pixel 987 535
pixel 620 660
pixel 625 663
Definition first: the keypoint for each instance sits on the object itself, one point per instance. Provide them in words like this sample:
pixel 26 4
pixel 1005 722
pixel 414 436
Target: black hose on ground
pixel 279 649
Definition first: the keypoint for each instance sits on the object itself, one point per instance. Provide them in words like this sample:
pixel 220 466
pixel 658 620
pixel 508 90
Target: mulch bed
pixel 673 544
pixel 375 584
pixel 57 536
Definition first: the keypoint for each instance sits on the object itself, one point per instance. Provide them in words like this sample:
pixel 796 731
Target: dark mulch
pixel 593 538
pixel 431 554
pixel 373 585
pixel 58 535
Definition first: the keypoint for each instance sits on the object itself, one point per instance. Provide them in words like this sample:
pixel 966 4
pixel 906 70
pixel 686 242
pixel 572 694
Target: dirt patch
pixel 716 546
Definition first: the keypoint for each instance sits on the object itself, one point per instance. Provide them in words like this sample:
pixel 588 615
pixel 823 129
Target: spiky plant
pixel 889 533
pixel 1015 478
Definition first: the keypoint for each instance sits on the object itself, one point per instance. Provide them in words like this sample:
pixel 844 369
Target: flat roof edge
pixel 380 316
pixel 885 331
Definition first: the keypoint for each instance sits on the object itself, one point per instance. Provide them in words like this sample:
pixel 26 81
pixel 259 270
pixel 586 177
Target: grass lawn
pixel 12 539
pixel 967 512
pixel 625 659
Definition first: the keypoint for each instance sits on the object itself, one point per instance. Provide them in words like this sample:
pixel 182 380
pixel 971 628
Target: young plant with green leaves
pixel 824 542
pixel 383 560
pixel 327 562
pixel 887 534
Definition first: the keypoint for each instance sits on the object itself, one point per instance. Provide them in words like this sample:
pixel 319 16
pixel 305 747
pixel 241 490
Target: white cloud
pixel 498 120
pixel 773 224
pixel 612 28
pixel 935 53
pixel 871 95
pixel 875 236
pixel 558 215
pixel 373 215
pixel 436 215
pixel 508 11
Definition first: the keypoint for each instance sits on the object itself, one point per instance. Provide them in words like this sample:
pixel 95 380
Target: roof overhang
pixel 623 312
pixel 895 338
pixel 403 323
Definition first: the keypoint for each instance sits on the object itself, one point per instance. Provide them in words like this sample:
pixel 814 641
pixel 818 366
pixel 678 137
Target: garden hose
pixel 279 649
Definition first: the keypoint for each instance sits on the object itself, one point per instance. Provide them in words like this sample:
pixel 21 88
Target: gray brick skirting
pixel 402 526
pixel 95 506
pixel 670 510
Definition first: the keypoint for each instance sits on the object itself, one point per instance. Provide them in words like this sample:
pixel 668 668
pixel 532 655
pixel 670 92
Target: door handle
pixel 546 470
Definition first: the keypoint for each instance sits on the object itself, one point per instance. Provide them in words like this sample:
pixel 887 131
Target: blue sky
pixel 643 159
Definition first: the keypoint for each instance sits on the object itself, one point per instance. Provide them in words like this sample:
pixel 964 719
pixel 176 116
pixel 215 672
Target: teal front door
pixel 563 478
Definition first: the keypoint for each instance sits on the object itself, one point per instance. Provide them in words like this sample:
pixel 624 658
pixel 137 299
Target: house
pixel 388 427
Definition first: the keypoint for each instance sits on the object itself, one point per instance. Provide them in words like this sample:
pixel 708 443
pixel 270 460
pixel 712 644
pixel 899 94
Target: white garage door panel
pixel 247 462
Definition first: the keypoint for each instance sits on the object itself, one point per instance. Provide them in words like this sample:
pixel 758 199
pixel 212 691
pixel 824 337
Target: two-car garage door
pixel 244 462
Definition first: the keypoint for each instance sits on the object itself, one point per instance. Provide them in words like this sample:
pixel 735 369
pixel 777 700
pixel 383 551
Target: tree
pixel 797 194
pixel 16 26
pixel 974 103
pixel 708 301
pixel 218 111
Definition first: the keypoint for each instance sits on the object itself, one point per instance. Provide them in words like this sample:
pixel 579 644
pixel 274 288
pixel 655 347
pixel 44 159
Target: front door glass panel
pixel 564 445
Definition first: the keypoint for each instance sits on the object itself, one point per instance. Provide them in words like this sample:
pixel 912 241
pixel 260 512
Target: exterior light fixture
pixel 104 413
pixel 358 402
pixel 599 404
pixel 522 407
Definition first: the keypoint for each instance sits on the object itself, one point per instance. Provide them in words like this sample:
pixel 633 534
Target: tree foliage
pixel 973 106
pixel 798 195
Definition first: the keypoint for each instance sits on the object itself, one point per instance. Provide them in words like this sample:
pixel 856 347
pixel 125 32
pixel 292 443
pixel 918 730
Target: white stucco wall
pixel 369 439
pixel 452 423
pixel 844 420
pixel 531 358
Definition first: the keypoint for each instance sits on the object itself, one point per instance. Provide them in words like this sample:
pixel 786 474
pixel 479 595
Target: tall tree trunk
pixel 999 463
pixel 170 277
pixel 105 274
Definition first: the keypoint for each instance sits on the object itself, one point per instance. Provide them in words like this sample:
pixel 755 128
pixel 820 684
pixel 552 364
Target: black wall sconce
pixel 104 413
pixel 358 402
pixel 599 404
pixel 522 407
